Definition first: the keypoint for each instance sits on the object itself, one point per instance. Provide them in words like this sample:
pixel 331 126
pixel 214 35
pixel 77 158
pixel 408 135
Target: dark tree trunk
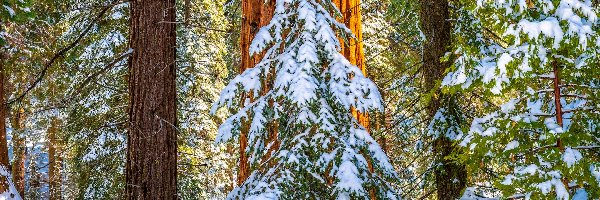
pixel 151 171
pixel 450 177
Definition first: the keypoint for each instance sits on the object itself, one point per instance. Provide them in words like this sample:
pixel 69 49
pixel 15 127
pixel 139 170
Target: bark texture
pixel 450 177
pixel 353 50
pixel 19 150
pixel 151 171
pixel 3 142
pixel 55 160
pixel 255 14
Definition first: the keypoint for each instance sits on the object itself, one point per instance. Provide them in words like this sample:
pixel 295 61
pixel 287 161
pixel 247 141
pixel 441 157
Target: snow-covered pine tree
pixel 537 60
pixel 324 152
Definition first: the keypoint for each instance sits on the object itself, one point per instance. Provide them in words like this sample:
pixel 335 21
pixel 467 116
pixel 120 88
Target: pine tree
pixel 536 64
pixel 206 171
pixel 323 151
pixel 152 136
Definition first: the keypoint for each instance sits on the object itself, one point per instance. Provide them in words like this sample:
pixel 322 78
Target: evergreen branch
pixel 63 51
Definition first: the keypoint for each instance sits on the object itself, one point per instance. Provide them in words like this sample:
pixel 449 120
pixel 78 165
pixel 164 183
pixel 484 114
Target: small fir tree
pixel 304 88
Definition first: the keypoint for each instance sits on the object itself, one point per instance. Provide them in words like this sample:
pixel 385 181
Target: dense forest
pixel 300 99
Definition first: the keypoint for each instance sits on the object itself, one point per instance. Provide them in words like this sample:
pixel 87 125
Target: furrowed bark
pixel 151 171
pixel 55 160
pixel 19 151
pixel 4 185
pixel 353 50
pixel 450 177
pixel 255 14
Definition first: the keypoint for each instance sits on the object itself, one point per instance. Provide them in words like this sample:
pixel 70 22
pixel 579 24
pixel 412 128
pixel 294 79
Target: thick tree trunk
pixel 4 185
pixel 353 50
pixel 255 14
pixel 19 151
pixel 450 177
pixel 55 160
pixel 151 171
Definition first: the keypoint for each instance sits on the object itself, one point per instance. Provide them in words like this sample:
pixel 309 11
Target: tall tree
pixel 14 11
pixel 4 184
pixel 7 187
pixel 313 90
pixel 450 176
pixel 55 160
pixel 353 49
pixel 151 171
pixel 354 52
pixel 255 14
pixel 20 150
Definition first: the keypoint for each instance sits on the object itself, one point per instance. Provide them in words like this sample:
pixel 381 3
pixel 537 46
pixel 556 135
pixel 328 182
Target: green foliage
pixel 514 53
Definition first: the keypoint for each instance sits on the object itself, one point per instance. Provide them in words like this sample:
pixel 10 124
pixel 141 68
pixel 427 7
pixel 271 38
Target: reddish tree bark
pixel 19 151
pixel 151 171
pixel 255 14
pixel 354 50
pixel 55 160
pixel 558 111
pixel 4 185
pixel 557 104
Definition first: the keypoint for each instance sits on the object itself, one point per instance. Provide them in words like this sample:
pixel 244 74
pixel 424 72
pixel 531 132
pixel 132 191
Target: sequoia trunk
pixel 19 150
pixel 353 50
pixel 255 14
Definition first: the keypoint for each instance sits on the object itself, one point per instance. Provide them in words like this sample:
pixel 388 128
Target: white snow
pixel 11 12
pixel 571 156
pixel 472 194
pixel 314 87
pixel 11 193
pixel 511 145
pixel 508 180
pixel 595 170
pixel 530 169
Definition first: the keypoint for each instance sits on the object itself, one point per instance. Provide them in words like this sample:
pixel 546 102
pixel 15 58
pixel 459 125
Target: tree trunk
pixel 353 50
pixel 20 151
pixel 4 185
pixel 450 177
pixel 55 160
pixel 151 171
pixel 255 14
